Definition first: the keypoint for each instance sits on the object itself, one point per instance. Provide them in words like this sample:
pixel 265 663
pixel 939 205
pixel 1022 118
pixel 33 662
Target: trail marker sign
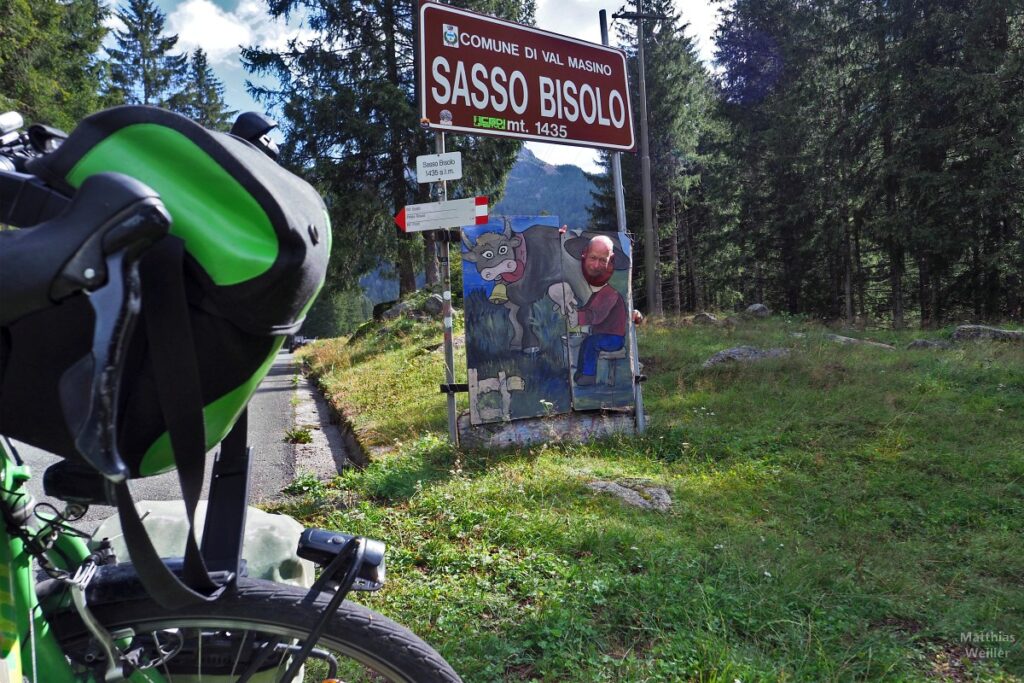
pixel 432 168
pixel 483 75
pixel 453 213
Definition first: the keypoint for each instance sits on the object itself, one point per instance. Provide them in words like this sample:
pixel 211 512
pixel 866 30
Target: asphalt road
pixel 273 466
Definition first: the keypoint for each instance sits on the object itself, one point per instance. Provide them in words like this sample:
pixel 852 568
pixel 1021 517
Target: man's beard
pixel 600 279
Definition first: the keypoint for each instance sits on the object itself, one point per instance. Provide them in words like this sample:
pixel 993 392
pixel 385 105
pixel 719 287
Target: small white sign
pixel 432 168
pixel 453 213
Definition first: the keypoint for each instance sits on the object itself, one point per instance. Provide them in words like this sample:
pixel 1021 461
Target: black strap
pixel 171 348
pixel 224 530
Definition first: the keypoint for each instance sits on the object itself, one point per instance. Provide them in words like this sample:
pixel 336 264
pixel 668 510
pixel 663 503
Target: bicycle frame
pixel 28 647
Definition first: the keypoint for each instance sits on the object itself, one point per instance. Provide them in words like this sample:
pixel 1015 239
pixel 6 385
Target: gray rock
pixel 705 319
pixel 928 344
pixel 564 428
pixel 744 354
pixel 839 339
pixel 984 332
pixel 639 493
pixel 378 309
pixel 758 311
pixel 434 305
pixel 397 310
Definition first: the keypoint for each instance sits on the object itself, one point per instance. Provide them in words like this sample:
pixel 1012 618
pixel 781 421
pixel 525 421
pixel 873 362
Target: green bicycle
pixel 72 612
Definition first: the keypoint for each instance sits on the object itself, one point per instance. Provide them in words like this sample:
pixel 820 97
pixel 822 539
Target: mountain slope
pixel 535 187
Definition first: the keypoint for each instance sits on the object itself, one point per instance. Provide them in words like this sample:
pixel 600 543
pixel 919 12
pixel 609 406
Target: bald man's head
pixel 599 260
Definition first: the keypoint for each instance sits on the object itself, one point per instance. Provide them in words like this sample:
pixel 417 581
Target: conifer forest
pixel 849 160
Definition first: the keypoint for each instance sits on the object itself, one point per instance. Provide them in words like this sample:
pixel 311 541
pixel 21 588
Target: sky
pixel 221 26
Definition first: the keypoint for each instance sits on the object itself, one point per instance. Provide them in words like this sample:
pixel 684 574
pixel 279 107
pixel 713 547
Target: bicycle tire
pixel 257 610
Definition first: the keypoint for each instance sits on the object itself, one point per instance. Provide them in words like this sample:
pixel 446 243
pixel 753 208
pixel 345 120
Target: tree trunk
pixel 430 265
pixel 792 271
pixel 674 250
pixel 659 290
pixel 758 283
pixel 925 296
pixel 861 280
pixel 992 281
pixel 976 283
pixel 896 269
pixel 697 302
pixel 406 273
pixel 847 273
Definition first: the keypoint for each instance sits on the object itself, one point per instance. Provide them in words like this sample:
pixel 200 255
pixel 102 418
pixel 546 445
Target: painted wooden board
pixel 598 340
pixel 527 352
pixel 513 331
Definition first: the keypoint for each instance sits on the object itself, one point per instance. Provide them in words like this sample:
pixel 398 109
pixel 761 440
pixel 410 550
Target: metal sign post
pixel 441 246
pixel 620 221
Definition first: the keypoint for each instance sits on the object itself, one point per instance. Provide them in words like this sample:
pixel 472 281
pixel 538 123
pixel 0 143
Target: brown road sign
pixel 488 76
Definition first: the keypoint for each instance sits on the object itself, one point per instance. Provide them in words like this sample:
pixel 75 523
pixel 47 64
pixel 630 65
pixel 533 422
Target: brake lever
pixel 116 305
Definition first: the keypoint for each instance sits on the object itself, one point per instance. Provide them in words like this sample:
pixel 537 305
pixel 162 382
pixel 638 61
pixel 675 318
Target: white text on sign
pixel 483 75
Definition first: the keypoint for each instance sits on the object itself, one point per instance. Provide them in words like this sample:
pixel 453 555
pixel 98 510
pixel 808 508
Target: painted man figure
pixel 604 311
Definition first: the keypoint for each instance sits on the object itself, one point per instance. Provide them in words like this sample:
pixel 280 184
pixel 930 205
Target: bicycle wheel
pixel 219 641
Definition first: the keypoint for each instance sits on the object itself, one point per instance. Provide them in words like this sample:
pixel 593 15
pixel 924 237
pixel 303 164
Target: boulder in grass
pixel 744 354
pixel 636 492
pixel 840 339
pixel 757 311
pixel 986 333
pixel 434 305
pixel 705 319
pixel 381 308
pixel 397 310
pixel 928 344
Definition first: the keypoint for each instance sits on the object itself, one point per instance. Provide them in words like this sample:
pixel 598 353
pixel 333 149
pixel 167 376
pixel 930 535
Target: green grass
pixel 843 514
pixel 298 435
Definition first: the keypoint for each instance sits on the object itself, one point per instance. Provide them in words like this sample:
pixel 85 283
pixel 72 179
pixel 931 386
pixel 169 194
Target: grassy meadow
pixel 846 513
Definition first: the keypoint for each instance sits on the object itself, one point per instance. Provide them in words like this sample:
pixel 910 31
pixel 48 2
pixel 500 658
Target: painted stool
pixel 612 359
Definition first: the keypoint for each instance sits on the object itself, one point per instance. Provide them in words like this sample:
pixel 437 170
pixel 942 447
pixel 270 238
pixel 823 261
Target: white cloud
pixel 201 23
pixel 580 19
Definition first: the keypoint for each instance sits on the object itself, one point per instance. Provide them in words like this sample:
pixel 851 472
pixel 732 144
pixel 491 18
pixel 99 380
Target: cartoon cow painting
pixel 525 267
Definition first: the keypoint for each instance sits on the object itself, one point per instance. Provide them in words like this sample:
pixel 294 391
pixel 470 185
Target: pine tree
pixel 873 162
pixel 202 97
pixel 346 100
pixel 679 103
pixel 143 68
pixel 48 66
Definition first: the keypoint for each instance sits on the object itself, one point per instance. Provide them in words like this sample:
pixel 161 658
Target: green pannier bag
pixel 246 257
pixel 256 241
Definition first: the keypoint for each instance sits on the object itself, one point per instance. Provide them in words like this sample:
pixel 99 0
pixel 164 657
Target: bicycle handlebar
pixel 45 264
pixel 94 247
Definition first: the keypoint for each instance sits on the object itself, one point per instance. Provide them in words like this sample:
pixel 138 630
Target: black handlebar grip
pixel 41 265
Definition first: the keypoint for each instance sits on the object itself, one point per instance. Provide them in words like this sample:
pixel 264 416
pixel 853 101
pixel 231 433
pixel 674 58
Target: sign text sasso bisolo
pixel 483 75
